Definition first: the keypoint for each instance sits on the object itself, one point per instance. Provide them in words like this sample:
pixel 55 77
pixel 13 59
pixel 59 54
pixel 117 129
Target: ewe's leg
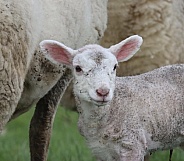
pixel 42 120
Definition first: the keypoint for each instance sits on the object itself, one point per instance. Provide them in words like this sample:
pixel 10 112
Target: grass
pixel 66 143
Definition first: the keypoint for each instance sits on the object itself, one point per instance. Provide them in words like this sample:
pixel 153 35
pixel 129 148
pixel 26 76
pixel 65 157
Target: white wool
pixel 161 25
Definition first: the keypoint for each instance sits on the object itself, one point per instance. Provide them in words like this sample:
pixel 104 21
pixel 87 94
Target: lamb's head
pixel 94 67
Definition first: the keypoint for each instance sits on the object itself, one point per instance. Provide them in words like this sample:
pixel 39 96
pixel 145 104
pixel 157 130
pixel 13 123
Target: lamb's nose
pixel 102 92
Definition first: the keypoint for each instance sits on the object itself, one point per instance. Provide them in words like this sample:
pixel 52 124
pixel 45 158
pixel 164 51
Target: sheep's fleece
pixel 159 22
pixel 144 115
pixel 25 75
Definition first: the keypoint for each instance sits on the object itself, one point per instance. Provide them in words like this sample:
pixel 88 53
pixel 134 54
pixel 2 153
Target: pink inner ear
pixel 127 49
pixel 58 53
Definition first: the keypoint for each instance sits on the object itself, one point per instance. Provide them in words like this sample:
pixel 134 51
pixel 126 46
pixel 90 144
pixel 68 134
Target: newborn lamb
pixel 123 118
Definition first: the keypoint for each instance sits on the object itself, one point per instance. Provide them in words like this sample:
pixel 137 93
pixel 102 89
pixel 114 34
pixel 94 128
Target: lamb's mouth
pixel 100 102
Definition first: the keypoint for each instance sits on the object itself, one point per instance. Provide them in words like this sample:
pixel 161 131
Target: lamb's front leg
pixel 131 156
pixel 132 151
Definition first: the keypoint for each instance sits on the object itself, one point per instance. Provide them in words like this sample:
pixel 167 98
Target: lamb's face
pixel 94 67
pixel 94 72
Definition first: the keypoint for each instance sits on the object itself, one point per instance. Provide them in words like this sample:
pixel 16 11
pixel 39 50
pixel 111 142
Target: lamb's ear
pixel 57 52
pixel 126 48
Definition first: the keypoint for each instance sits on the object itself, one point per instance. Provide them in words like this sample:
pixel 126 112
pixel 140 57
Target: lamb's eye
pixel 78 68
pixel 115 66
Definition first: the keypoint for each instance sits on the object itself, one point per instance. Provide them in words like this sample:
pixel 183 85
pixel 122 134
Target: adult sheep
pixel 25 75
pixel 160 24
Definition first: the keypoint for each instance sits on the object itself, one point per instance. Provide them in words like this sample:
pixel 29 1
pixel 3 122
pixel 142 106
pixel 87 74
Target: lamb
pixel 25 74
pixel 123 118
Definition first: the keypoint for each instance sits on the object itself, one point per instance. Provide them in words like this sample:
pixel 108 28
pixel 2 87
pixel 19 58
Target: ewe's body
pixel 161 25
pixel 25 75
pixel 123 118
pixel 19 29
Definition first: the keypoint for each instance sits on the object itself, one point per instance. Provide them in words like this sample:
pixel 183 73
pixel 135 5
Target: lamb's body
pixel 146 114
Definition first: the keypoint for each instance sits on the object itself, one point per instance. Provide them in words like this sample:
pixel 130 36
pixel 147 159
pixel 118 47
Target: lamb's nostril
pixel 102 92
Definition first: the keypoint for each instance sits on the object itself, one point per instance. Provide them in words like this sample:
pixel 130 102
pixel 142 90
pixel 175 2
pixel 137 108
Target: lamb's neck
pixel 91 113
